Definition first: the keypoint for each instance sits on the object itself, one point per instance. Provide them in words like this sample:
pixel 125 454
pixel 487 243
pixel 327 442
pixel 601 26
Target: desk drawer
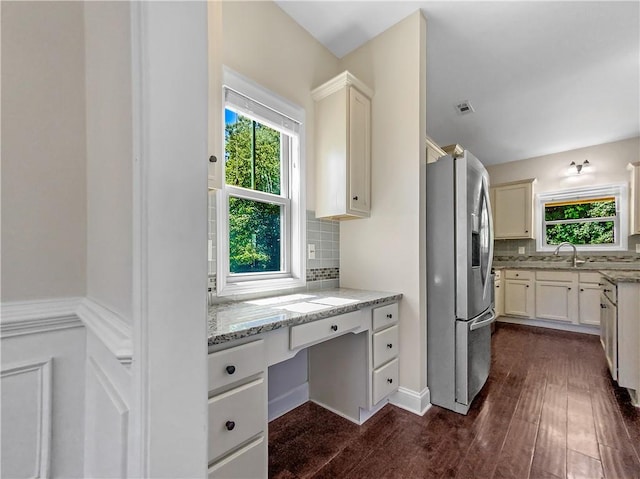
pixel 315 331
pixel 385 316
pixel 385 380
pixel 234 364
pixel 235 416
pixel 250 461
pixel 385 346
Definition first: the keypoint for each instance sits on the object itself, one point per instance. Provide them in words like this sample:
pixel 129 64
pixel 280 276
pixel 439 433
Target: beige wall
pixel 109 154
pixel 44 216
pixel 383 252
pixel 608 165
pixel 264 44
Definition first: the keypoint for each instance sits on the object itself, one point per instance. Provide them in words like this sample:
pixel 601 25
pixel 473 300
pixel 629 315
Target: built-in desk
pixel 352 341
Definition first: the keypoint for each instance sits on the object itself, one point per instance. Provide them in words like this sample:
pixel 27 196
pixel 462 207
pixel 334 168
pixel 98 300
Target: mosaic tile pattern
pixel 323 273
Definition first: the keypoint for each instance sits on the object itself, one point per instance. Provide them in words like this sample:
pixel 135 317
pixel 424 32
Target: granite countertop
pixel 616 276
pixel 629 273
pixel 238 319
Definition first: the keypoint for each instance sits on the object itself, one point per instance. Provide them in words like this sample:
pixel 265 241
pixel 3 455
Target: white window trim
pixel 296 276
pixel 622 218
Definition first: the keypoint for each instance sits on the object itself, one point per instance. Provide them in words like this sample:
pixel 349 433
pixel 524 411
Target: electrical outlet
pixel 638 248
pixel 520 249
pixel 312 251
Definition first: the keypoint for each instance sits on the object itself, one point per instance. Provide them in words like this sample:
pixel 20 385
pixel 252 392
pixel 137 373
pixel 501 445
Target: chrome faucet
pixel 576 261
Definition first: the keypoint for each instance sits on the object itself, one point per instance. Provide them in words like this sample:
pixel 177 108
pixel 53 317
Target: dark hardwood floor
pixel 549 410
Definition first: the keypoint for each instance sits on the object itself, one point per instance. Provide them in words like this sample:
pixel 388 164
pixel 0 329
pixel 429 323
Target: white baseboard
pixel 38 316
pixel 109 327
pixel 541 323
pixel 288 401
pixel 412 401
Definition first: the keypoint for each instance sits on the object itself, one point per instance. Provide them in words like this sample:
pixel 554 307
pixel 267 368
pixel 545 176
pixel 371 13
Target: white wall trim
pixel 38 316
pixel 540 323
pixel 288 401
pixel 109 327
pixel 44 368
pixel 119 404
pixel 412 401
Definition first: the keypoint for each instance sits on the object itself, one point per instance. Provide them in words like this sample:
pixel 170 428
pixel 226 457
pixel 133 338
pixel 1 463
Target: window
pixel 260 208
pixel 593 219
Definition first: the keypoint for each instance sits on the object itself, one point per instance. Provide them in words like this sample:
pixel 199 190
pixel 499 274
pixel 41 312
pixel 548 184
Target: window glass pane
pixel 252 154
pixel 254 236
pixel 595 208
pixel 592 232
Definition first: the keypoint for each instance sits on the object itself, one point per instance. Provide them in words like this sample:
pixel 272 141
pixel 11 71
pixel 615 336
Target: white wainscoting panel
pixel 26 418
pixel 39 316
pixel 106 425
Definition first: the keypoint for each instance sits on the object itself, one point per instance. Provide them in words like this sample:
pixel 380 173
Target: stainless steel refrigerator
pixel 460 307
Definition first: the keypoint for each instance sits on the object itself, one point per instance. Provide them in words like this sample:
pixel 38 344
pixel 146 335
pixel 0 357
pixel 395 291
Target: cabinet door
pixel 518 298
pixel 499 296
pixel 513 205
pixel 589 312
pixel 611 337
pixel 359 151
pixel 635 198
pixel 556 300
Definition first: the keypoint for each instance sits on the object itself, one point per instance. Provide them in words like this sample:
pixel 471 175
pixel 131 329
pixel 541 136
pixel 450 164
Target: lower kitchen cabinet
pixel 519 299
pixel 620 333
pixel 589 299
pixel 561 297
pixel 556 296
pixel 498 291
pixel 609 331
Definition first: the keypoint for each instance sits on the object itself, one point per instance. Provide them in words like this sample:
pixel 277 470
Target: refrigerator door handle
pixel 481 323
pixel 485 189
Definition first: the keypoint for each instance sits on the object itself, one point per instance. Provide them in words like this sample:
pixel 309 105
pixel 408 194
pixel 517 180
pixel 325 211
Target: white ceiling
pixel 543 77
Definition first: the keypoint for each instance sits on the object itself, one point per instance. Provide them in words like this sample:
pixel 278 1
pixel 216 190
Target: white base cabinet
pixel 519 299
pixel 553 297
pixel 353 368
pixel 557 296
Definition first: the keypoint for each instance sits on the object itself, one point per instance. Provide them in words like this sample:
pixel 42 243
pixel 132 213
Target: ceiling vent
pixel 464 107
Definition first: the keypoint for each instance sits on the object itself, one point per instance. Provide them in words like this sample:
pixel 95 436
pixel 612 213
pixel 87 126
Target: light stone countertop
pixel 239 319
pixel 621 276
pixel 620 273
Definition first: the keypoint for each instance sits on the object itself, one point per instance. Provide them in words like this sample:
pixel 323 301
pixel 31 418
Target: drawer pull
pixel 334 327
pixel 355 198
pixel 230 425
pixel 581 290
pixel 497 285
pixel 389 345
pixel 389 315
pixel 389 380
pixel 602 306
pixel 517 275
pixel 527 286
pixel 607 290
pixel 230 369
pixel 568 289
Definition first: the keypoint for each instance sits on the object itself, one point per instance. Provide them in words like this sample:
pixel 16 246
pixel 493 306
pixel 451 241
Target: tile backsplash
pixel 322 272
pixel 506 251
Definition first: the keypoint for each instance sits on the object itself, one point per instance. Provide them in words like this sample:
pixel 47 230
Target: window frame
pixel 621 220
pixel 292 198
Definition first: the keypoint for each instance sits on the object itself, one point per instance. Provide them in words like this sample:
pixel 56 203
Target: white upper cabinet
pixel 343 148
pixel 513 209
pixel 635 198
pixel 433 151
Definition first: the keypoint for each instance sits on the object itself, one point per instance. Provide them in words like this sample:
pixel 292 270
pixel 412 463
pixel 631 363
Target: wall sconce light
pixel 576 169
